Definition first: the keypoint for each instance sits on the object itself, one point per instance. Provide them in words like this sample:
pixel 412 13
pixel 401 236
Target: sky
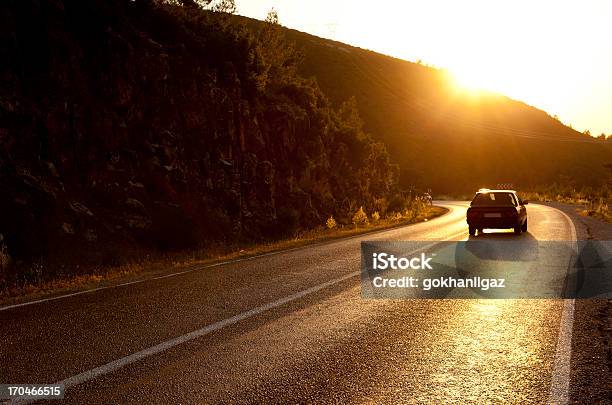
pixel 555 55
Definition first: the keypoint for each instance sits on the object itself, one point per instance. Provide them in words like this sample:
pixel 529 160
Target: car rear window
pixel 488 199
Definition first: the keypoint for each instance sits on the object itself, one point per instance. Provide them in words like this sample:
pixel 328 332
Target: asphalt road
pixel 293 327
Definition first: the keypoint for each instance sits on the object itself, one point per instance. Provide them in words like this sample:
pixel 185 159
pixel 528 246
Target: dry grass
pixel 73 283
pixel 597 205
pixel 151 267
pixel 599 209
pixel 455 197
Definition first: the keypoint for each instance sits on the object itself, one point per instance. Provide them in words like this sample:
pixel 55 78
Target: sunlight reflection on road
pixel 494 350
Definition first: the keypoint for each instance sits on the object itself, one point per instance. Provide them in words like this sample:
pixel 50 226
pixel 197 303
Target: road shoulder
pixel 156 270
pixel 591 380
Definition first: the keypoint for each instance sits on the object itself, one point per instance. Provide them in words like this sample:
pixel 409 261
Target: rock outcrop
pixel 129 125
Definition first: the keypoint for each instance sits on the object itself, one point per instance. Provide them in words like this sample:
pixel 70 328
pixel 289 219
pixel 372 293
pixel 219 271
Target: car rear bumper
pixel 494 223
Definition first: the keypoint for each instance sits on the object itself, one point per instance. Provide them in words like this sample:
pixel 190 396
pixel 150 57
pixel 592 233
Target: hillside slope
pixel 135 125
pixel 448 140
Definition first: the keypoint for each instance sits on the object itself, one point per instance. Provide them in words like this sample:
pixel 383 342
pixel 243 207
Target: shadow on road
pixel 502 246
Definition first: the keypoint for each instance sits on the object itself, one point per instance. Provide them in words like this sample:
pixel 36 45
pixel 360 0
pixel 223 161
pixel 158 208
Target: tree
pixel 279 57
pixel 218 6
pixel 360 217
pixel 272 17
pixel 349 112
pixel 609 167
pixel 194 3
pixel 224 6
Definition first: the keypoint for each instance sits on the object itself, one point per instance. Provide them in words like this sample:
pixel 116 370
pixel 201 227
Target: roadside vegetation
pixel 36 283
pixel 593 202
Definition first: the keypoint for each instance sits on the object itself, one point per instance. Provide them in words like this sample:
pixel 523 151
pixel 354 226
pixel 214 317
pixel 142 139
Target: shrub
pixel 396 216
pixel 331 223
pixel 5 259
pixel 375 216
pixel 397 203
pixel 360 217
pixel 288 220
pixel 381 205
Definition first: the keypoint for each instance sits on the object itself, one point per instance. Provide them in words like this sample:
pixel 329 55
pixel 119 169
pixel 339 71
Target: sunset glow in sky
pixel 555 55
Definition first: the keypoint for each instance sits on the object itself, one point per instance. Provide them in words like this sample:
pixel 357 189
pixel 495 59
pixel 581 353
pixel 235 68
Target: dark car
pixel 497 209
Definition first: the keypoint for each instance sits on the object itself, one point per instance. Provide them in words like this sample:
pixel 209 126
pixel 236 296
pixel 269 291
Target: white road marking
pixel 114 365
pixel 134 357
pixel 168 344
pixel 560 382
pixel 197 268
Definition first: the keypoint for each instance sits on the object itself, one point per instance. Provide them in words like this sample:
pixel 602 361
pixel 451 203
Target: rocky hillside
pixel 126 125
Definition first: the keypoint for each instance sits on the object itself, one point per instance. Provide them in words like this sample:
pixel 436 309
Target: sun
pixel 472 79
pixel 467 79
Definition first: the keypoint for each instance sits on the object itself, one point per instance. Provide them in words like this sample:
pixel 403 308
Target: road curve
pixel 291 327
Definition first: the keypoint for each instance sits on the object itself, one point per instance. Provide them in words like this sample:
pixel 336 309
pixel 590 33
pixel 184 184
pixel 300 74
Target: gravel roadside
pixel 591 380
